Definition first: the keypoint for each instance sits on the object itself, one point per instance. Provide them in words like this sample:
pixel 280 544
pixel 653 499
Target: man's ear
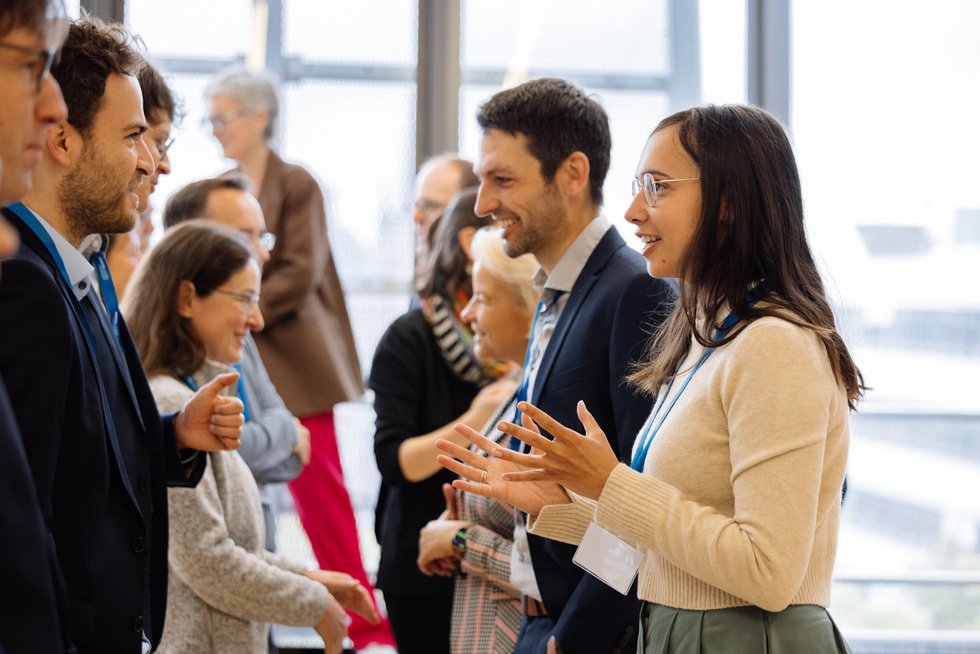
pixel 64 144
pixel 186 294
pixel 574 171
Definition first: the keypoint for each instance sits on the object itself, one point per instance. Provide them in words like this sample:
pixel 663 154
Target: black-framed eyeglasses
pixel 650 186
pixel 41 64
pixel 248 299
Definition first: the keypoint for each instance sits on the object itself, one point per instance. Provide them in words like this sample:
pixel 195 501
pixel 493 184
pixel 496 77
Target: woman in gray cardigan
pixel 192 303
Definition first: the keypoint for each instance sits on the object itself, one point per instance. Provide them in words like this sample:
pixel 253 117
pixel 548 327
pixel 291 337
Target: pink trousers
pixel 325 512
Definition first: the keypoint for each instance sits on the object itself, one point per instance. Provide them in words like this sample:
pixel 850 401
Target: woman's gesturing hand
pixel 485 475
pixel 579 462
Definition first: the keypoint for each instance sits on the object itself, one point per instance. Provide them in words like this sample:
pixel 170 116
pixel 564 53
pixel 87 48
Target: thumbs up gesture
pixel 211 421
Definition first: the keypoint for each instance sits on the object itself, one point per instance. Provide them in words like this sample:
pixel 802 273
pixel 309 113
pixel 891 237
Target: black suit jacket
pixel 603 329
pixel 99 452
pixel 30 603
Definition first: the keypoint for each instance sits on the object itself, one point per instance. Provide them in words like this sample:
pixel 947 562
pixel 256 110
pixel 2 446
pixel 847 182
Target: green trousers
pixel 802 629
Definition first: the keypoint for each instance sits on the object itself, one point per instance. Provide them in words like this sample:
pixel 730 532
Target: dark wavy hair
pixel 557 118
pixel 198 251
pixel 158 97
pixel 447 270
pixel 93 51
pixel 751 228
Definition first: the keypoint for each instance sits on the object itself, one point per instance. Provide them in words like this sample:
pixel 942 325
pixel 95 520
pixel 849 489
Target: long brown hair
pixel 198 251
pixel 751 228
pixel 448 269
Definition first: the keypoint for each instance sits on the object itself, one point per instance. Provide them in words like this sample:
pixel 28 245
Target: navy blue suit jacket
pixel 99 452
pixel 30 601
pixel 604 328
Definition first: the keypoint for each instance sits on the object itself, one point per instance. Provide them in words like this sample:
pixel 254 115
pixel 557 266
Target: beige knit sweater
pixel 224 587
pixel 739 499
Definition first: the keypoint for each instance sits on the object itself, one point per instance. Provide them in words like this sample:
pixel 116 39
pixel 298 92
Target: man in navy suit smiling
pixel 543 160
pixel 100 455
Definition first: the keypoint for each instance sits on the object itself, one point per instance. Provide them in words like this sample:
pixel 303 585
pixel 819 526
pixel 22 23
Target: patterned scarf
pixel 456 340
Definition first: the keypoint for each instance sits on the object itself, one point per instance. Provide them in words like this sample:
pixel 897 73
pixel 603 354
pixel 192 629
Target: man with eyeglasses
pixel 160 110
pixel 439 179
pixel 543 160
pixel 100 454
pixel 31 593
pixel 275 445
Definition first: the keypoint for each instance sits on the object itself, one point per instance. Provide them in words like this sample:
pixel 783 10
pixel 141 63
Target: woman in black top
pixel 426 379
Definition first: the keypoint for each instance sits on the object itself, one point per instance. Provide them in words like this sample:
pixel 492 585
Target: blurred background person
pixel 439 179
pixel 474 536
pixel 308 345
pixel 275 445
pixel 162 112
pixel 193 301
pixel 426 378
pixel 123 255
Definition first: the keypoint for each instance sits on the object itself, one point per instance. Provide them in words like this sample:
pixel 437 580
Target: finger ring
pixel 483 477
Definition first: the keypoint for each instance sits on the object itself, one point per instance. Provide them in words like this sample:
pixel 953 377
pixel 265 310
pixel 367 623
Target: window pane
pixel 334 31
pixel 883 123
pixel 217 29
pixel 628 36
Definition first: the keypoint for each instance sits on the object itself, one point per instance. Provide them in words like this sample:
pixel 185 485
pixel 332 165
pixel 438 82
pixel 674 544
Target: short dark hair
pixel 93 51
pixel 446 272
pixel 200 252
pixel 190 200
pixel 557 118
pixel 28 14
pixel 157 95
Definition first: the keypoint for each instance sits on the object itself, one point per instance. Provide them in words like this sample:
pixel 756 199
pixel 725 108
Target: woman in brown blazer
pixel 307 344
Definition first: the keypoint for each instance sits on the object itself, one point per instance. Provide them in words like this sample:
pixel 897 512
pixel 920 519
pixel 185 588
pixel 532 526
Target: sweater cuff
pixel 563 522
pixel 629 502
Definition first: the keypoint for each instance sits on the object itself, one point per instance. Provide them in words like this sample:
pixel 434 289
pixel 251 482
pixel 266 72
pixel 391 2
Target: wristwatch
pixel 459 542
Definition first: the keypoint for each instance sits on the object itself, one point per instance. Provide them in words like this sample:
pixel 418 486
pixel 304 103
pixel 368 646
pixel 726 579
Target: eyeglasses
pixel 266 239
pixel 650 186
pixel 220 121
pixel 164 148
pixel 40 66
pixel 249 300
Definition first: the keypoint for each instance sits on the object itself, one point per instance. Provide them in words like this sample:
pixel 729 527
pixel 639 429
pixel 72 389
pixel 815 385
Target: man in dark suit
pixel 30 102
pixel 100 454
pixel 543 160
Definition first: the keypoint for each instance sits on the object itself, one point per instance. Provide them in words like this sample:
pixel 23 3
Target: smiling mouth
pixel 649 240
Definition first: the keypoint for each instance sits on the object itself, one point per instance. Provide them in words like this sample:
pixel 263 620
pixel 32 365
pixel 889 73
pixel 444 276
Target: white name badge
pixel 608 558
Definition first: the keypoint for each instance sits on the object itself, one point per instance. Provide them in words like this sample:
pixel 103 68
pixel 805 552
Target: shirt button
pixel 83 285
pixel 138 545
pixel 138 624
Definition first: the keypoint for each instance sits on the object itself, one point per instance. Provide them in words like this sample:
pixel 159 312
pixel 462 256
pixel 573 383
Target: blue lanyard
pixel 29 219
pixel 516 444
pixel 649 431
pixel 189 383
pixel 108 291
pixel 32 223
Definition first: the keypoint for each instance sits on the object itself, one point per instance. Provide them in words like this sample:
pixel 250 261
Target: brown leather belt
pixel 532 608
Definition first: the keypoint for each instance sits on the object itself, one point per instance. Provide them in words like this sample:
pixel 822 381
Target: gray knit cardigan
pixel 224 588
